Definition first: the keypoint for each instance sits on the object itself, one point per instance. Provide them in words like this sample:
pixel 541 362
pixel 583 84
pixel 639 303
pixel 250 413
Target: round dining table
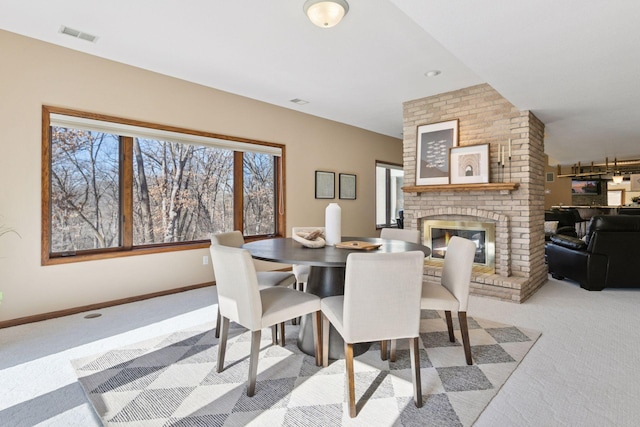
pixel 326 276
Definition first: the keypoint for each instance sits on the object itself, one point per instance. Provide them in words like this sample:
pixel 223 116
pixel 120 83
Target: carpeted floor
pixel 171 380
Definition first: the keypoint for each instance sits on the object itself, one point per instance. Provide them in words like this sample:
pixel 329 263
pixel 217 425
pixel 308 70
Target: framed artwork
pixel 550 177
pixel 635 182
pixel 469 164
pixel 347 184
pixel 325 185
pixel 433 143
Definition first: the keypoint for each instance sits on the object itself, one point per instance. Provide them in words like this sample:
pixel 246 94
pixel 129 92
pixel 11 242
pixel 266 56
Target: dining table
pixel 326 276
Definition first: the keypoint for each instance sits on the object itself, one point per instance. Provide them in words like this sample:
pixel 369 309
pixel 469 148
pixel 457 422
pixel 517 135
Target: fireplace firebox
pixel 436 234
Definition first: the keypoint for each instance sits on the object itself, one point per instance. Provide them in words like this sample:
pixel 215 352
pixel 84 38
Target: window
pixel 389 195
pixel 114 187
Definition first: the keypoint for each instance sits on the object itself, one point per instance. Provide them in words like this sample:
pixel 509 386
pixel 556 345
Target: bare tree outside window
pixel 181 192
pixel 259 193
pixel 84 190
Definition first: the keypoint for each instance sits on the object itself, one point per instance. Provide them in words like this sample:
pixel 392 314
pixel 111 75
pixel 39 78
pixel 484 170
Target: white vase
pixel 333 224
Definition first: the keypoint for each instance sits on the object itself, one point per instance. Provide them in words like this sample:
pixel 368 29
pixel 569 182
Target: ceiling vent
pixel 78 34
pixel 299 101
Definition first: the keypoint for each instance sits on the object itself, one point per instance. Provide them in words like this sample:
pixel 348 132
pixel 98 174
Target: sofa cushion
pixel 550 226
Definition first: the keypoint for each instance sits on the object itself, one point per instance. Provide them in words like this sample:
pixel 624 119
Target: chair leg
pixel 217 334
pixel 317 336
pixel 415 370
pixel 281 334
pixel 351 388
pixel 222 343
pixel 325 341
pixel 383 349
pixel 296 286
pixel 274 334
pixel 253 362
pixel 464 330
pixel 392 351
pixel 452 337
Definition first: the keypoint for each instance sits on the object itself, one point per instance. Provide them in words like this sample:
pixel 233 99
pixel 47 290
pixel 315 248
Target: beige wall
pixel 35 73
pixel 558 191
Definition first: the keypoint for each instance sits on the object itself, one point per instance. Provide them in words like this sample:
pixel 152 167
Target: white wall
pixel 34 73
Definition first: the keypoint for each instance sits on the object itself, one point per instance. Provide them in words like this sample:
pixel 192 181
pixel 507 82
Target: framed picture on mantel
pixel 432 160
pixel 469 164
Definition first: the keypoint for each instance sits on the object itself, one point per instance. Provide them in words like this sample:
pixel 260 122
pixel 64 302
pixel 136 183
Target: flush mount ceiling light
pixel 433 73
pixel 325 14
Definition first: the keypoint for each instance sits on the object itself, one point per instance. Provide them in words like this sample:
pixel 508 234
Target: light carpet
pixel 171 380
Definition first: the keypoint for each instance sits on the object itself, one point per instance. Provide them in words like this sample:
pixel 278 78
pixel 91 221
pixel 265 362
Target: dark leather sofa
pixel 608 257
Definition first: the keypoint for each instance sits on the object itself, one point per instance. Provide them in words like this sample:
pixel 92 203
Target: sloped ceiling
pixel 573 63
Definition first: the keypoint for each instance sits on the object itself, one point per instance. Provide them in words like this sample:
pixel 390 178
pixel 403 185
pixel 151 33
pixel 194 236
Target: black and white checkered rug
pixel 171 380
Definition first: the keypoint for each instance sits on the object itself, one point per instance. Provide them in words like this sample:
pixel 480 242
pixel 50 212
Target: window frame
pixel 126 247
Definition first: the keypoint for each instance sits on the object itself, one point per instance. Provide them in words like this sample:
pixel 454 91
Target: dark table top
pixel 287 250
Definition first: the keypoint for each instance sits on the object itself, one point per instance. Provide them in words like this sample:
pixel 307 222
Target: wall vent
pixel 78 34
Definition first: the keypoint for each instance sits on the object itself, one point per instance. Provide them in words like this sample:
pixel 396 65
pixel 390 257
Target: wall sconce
pixel 325 14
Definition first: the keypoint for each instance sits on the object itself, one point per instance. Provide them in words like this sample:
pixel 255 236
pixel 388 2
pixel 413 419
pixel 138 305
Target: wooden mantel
pixel 492 186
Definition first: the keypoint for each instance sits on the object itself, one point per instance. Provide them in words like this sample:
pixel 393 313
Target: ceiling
pixel 574 63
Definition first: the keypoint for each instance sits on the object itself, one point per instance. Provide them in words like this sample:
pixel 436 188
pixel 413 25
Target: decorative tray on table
pixel 359 245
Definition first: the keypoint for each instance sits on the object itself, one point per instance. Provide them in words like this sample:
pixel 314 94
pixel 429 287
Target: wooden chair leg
pixel 217 334
pixel 452 337
pixel 281 334
pixel 274 334
pixel 464 330
pixel 253 362
pixel 351 388
pixel 325 341
pixel 414 352
pixel 392 351
pixel 317 336
pixel 222 343
pixel 383 349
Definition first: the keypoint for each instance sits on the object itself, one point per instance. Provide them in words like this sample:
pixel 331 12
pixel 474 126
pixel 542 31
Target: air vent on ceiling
pixel 78 34
pixel 299 101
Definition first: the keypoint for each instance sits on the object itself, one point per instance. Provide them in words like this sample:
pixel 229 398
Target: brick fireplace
pixel 513 201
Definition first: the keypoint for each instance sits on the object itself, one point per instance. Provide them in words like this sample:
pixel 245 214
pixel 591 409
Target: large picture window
pixel 114 187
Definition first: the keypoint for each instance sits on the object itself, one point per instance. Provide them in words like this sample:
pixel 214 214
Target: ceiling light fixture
pixel 433 73
pixel 325 14
pixel 617 178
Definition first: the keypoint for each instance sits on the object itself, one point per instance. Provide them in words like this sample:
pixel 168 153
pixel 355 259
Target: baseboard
pixel 98 306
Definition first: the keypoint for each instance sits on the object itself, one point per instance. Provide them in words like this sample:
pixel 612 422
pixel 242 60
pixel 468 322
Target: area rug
pixel 171 380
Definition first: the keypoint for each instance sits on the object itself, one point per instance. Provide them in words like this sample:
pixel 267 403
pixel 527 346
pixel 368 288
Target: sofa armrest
pixel 567 262
pixel 569 242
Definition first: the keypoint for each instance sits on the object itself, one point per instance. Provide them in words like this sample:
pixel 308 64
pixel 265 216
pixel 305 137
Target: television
pixel 586 187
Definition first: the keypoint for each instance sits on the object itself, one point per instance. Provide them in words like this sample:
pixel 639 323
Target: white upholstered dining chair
pixel 381 301
pixel 411 236
pixel 240 300
pixel 266 279
pixel 452 294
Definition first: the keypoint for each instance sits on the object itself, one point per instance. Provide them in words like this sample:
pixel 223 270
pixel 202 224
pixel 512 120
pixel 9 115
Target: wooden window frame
pixel 126 247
